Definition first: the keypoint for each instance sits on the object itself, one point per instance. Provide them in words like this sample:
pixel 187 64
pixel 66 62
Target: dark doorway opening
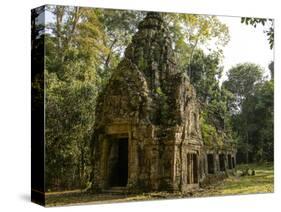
pixel 195 168
pixel 229 161
pixel 221 161
pixel 192 168
pixel 118 164
pixel 233 162
pixel 211 168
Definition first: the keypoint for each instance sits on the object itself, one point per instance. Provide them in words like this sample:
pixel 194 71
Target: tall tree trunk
pixel 247 142
pixel 107 61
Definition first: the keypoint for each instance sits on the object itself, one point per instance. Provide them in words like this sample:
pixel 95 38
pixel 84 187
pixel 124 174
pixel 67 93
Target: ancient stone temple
pixel 147 135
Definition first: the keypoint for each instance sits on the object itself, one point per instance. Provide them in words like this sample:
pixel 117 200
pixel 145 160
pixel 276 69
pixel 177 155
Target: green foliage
pixel 163 113
pixel 252 111
pixel 210 135
pixel 269 31
pixel 191 32
pixel 258 110
pixel 241 82
pixel 118 26
pixel 159 91
pixel 83 46
pixel 72 83
pixel 205 75
pixel 68 131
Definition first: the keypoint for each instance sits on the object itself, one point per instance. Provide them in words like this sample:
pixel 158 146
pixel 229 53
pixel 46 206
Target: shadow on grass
pixel 261 182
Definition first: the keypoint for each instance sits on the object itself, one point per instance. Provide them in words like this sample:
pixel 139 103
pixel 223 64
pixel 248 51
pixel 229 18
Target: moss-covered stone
pixel 153 106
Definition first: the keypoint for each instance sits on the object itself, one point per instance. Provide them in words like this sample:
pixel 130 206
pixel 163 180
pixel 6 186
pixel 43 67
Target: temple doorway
pixel 118 163
pixel 192 168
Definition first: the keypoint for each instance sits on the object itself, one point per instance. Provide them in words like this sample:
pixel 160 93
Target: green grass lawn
pixel 261 182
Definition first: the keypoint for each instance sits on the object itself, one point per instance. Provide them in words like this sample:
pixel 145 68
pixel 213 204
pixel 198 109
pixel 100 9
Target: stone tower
pixel 147 135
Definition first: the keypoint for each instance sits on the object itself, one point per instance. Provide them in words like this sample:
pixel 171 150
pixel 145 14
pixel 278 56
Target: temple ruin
pixel 147 133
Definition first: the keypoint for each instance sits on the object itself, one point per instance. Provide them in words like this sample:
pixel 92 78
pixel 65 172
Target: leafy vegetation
pixel 84 45
pixel 191 32
pixel 252 112
pixel 257 21
pixel 73 50
pixel 215 119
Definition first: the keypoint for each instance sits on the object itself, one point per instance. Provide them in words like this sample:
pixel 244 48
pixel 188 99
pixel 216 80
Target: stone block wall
pixel 150 106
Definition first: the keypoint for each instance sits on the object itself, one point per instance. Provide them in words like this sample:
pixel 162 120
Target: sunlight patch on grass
pixel 261 182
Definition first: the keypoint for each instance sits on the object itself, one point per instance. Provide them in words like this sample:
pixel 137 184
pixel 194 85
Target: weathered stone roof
pixel 147 85
pixel 151 50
